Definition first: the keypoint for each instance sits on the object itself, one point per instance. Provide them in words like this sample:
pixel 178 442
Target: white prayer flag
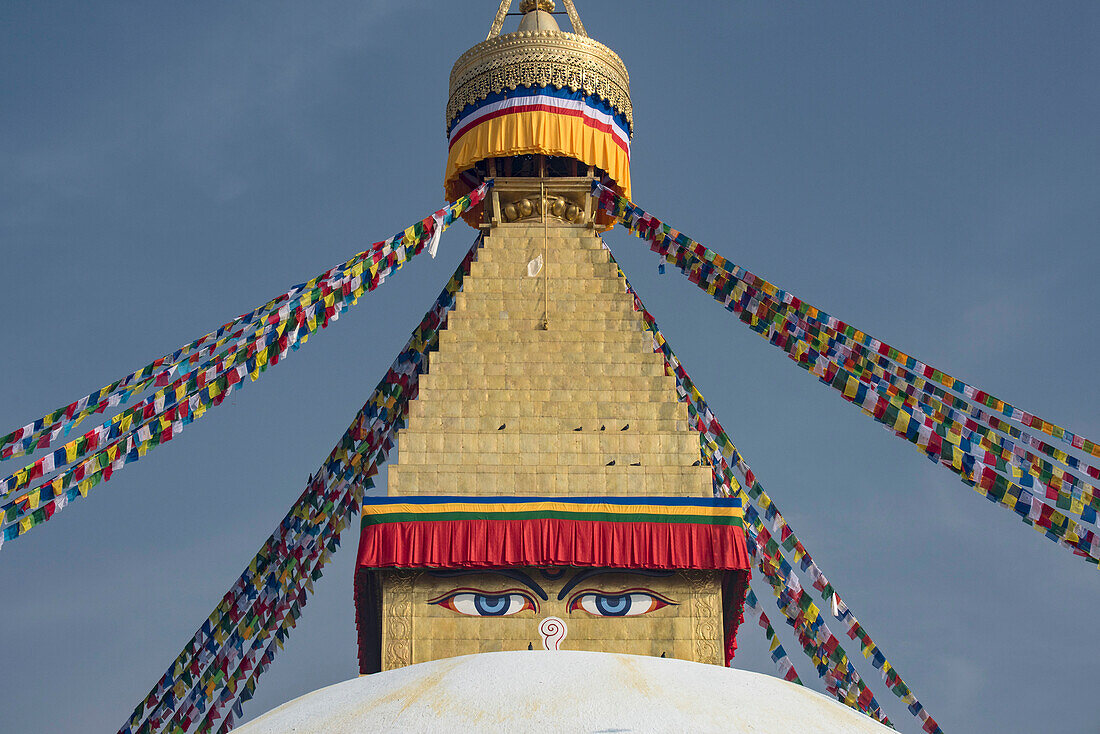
pixel 437 229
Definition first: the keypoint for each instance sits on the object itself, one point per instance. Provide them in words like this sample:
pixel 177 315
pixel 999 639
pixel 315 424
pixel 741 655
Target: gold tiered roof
pixel 515 404
pixel 535 58
pixel 547 387
pixel 542 92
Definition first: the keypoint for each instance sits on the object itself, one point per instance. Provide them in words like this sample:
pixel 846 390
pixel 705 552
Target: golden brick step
pixel 494 304
pixel 564 267
pixel 527 249
pixel 529 355
pixel 606 412
pixel 532 307
pixel 571 395
pixel 535 286
pixel 465 371
pixel 546 458
pixel 521 255
pixel 629 444
pixel 564 352
pixel 682 481
pixel 552 337
pixel 542 424
pixel 450 381
pixel 561 321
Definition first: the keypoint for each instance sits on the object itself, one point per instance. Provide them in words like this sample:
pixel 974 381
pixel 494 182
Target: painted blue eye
pixel 491 606
pixel 626 604
pixel 484 604
pixel 612 606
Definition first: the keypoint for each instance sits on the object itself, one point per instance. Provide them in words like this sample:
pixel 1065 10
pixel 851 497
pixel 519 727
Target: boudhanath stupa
pixel 549 554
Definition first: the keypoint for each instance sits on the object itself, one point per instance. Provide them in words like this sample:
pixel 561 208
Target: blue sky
pixel 927 172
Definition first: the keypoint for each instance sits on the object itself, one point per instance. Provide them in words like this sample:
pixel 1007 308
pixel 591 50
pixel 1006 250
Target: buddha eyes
pixel 477 603
pixel 486 604
pixel 626 604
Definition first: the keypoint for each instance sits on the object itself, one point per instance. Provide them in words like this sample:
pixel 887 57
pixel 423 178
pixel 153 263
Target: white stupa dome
pixel 563 691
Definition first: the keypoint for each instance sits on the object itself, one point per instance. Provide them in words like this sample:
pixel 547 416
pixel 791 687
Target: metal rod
pixel 545 259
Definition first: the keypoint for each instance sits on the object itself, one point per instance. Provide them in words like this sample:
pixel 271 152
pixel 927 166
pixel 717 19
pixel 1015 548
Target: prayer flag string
pixel 818 642
pixel 216 672
pixel 32 495
pixel 778 654
pixel 951 426
pixel 40 433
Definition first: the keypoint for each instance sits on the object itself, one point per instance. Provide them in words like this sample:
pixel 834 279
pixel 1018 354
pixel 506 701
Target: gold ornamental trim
pixel 526 6
pixel 539 58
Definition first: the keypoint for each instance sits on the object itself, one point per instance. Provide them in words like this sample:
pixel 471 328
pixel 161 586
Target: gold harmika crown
pixel 526 6
pixel 539 58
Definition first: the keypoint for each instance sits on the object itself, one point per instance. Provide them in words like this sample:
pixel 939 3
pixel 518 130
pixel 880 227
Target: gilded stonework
pixel 706 616
pixel 545 386
pixel 539 58
pixel 663 614
pixel 526 6
pixel 397 618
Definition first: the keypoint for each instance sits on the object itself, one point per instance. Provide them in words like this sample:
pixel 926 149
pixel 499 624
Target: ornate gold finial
pixel 538 58
pixel 526 6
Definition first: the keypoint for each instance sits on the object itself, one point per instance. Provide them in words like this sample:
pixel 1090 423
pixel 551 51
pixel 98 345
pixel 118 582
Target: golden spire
pixel 539 57
pixel 526 6
pixel 568 72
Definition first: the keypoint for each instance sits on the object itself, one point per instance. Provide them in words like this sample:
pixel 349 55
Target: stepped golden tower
pixel 549 491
